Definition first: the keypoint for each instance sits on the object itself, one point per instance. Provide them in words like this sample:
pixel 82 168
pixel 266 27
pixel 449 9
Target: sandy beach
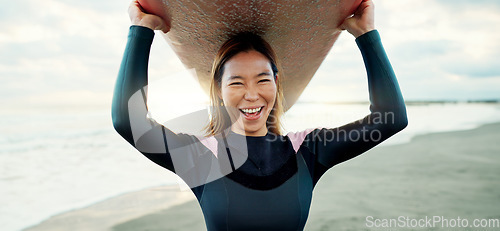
pixel 448 174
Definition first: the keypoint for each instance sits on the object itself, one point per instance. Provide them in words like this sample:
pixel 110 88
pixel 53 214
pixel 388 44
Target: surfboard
pixel 301 32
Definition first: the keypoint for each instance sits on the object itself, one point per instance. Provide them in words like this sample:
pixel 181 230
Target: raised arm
pixel 388 113
pixel 129 107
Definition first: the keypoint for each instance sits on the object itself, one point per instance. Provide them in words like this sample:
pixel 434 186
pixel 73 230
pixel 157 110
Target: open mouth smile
pixel 252 113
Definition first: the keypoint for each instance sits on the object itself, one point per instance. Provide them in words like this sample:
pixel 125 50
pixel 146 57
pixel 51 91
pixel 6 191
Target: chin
pixel 252 130
pixel 251 127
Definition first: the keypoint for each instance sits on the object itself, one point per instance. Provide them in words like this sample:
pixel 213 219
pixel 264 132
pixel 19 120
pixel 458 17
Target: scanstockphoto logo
pixel 371 128
pixel 195 158
pixel 440 222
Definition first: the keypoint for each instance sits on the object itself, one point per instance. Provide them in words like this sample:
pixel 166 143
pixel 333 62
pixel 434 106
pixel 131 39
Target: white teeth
pixel 251 110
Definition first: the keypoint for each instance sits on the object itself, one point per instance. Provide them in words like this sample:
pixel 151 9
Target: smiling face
pixel 248 90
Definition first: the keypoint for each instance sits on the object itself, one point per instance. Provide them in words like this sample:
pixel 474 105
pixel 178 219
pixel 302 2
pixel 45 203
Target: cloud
pixel 439 50
pixel 467 3
pixel 418 50
pixel 98 6
pixel 51 45
pixel 65 45
pixel 473 68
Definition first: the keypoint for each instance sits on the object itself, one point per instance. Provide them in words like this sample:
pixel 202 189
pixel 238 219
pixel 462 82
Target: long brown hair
pixel 242 42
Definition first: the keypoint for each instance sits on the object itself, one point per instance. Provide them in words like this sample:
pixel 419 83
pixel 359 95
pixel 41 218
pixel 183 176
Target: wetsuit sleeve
pixel 130 113
pixel 387 117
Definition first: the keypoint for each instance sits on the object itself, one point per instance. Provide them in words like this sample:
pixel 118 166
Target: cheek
pixel 231 96
pixel 270 96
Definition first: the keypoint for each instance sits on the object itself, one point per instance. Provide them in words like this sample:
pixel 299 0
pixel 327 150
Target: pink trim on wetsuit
pixel 297 138
pixel 210 143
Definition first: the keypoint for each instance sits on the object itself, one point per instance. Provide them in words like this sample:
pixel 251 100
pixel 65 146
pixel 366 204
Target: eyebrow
pixel 239 77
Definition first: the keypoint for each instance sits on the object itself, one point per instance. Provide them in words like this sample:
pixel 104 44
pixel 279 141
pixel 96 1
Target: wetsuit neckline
pixel 231 132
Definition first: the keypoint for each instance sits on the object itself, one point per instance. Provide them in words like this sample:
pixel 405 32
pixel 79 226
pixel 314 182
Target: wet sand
pixel 448 174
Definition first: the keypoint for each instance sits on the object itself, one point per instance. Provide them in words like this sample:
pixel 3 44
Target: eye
pixel 235 83
pixel 264 80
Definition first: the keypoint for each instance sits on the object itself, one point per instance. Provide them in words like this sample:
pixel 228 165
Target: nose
pixel 251 94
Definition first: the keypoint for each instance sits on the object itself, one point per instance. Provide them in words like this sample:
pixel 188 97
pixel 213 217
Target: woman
pixel 245 174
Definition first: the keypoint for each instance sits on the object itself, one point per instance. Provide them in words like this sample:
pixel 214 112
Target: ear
pixel 276 78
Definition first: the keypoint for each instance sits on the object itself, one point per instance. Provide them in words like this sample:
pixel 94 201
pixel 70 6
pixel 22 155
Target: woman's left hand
pixel 362 21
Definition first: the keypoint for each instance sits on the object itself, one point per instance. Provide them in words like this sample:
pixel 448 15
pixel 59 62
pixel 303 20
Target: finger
pixel 136 6
pixel 362 6
pixel 160 24
pixel 166 29
pixel 347 23
pixel 343 26
pixel 140 7
pixel 132 4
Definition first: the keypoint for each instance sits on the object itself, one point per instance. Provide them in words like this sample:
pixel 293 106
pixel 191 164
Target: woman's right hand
pixel 139 17
pixel 362 20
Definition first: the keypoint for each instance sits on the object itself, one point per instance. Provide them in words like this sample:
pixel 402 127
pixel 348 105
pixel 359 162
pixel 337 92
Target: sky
pixel 67 53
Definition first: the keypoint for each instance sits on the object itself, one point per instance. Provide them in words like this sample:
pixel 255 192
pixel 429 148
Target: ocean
pixel 59 159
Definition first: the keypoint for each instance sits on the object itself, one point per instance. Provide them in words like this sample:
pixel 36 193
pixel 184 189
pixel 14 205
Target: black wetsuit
pixel 272 188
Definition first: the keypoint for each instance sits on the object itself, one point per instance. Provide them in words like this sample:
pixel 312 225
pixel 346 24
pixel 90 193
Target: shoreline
pixel 108 212
pixel 423 120
pixel 136 211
